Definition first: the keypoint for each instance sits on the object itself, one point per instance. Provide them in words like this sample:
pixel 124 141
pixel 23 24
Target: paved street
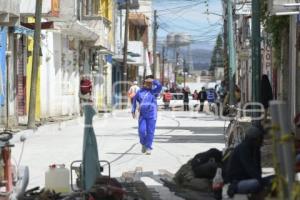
pixel 179 136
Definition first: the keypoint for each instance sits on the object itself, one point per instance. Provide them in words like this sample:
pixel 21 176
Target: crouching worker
pixel 243 170
pixel 146 97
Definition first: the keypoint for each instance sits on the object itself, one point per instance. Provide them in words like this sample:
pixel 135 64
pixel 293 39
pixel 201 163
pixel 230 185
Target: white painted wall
pixel 59 80
pixel 11 7
pixel 47 72
pixel 28 6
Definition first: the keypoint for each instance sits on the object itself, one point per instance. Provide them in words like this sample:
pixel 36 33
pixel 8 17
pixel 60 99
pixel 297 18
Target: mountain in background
pixel 201 58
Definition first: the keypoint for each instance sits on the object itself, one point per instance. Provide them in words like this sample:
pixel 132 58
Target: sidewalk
pixel 179 137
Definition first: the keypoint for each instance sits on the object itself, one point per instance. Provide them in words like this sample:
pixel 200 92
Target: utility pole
pixel 232 53
pixel 35 64
pixel 256 54
pixel 256 51
pixel 7 92
pixel 163 66
pixel 225 52
pixel 125 51
pixel 154 44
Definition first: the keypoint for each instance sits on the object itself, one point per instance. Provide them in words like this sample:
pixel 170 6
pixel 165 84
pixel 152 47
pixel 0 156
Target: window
pixel 91 8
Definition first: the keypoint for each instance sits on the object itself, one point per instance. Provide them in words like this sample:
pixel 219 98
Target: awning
pixel 119 58
pixel 23 30
pixel 138 19
pixel 44 25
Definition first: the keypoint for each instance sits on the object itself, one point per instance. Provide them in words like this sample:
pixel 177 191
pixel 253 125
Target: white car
pixel 177 102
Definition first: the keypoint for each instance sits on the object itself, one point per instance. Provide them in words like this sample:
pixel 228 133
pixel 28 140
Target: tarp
pixel 90 161
pixel 23 30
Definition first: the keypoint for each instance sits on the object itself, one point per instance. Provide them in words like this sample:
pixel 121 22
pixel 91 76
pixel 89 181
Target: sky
pixel 189 16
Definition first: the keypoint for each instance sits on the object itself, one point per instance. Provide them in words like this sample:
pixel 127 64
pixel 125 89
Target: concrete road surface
pixel 179 136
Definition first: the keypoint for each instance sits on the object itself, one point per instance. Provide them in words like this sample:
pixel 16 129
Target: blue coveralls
pixel 148 112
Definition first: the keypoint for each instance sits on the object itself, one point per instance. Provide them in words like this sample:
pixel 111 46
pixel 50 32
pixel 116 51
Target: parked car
pixel 177 102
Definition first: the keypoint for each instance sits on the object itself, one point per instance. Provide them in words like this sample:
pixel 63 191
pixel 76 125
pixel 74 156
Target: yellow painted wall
pixel 104 8
pixel 111 12
pixel 107 11
pixel 28 79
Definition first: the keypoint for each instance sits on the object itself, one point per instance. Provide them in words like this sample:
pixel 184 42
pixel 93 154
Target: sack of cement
pixel 184 174
pixel 199 184
pixel 185 178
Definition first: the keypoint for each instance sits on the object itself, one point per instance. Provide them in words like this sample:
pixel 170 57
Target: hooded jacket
pixel 245 161
pixel 147 100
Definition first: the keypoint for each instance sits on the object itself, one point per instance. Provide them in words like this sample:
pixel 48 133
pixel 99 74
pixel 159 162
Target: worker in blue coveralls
pixel 146 97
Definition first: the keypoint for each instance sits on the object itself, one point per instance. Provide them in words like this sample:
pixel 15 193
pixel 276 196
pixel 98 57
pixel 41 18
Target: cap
pixel 135 82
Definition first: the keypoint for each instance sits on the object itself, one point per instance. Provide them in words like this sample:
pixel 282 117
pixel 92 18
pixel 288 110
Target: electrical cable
pixel 185 28
pixel 178 7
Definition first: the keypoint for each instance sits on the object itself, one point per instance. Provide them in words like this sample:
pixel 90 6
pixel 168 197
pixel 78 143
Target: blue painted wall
pixel 3 47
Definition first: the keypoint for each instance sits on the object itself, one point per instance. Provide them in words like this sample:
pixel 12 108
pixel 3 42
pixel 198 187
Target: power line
pixel 183 27
pixel 177 7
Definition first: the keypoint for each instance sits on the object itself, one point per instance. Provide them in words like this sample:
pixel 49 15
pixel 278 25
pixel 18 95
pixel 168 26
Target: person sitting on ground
pixel 243 171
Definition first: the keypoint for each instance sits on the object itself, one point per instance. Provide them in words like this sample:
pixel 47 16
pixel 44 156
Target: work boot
pixel 143 149
pixel 148 152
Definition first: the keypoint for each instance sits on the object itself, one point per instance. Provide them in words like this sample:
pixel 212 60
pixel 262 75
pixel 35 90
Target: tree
pixel 217 55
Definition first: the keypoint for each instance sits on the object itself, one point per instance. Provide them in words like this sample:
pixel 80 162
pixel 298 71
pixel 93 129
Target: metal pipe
pixel 284 150
pixel 256 52
pixel 232 53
